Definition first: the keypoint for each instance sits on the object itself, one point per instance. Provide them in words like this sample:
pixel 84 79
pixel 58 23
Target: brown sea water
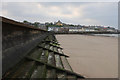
pixel 91 56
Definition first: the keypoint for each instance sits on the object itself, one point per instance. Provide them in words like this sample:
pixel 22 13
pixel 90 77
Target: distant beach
pixel 91 56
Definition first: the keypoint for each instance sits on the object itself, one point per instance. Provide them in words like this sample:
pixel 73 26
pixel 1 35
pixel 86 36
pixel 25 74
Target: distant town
pixel 63 27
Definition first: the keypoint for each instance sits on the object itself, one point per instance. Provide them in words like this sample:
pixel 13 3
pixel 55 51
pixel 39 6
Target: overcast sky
pixel 84 13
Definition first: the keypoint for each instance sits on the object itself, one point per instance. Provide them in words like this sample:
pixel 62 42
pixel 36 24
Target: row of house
pixel 68 29
pixel 76 28
pixel 80 28
pixel 62 27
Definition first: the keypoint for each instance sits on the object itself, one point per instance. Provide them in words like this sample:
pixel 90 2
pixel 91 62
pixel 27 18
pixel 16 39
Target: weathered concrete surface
pixel 17 40
pixel 91 56
pixel 0 48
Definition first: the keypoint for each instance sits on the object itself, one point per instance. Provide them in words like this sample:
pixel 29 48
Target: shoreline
pixel 105 35
pixel 91 35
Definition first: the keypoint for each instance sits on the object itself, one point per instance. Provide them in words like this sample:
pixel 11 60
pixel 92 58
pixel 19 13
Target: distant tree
pixel 36 24
pixel 47 23
pixel 25 21
pixel 98 29
pixel 71 25
pixel 47 27
pixel 51 23
pixel 108 27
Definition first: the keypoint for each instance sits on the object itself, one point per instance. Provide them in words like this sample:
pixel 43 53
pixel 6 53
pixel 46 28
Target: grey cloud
pixel 92 13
